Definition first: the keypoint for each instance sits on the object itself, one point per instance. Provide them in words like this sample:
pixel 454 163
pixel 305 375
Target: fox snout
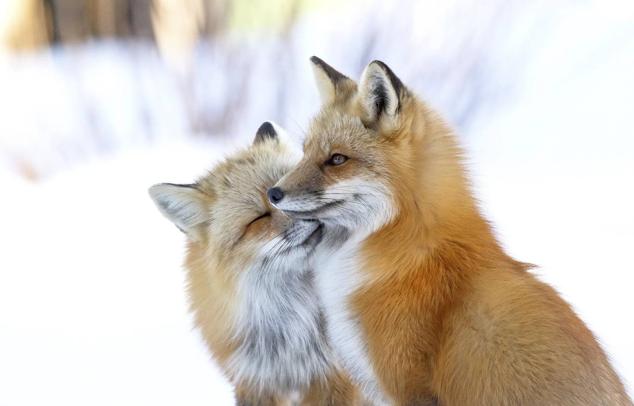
pixel 296 205
pixel 298 192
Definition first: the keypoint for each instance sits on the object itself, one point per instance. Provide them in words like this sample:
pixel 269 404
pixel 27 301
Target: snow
pixel 92 302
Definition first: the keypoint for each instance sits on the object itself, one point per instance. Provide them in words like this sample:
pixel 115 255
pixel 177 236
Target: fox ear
pixel 271 131
pixel 183 205
pixel 380 92
pixel 266 131
pixel 332 85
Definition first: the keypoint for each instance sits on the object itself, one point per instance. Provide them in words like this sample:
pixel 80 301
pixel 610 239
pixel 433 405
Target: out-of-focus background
pixel 99 99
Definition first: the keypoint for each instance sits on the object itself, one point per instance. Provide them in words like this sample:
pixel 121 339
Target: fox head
pixel 353 151
pixel 227 214
pixel 373 152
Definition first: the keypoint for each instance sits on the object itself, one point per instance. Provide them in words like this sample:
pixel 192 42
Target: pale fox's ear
pixel 266 131
pixel 183 205
pixel 332 85
pixel 271 131
pixel 380 94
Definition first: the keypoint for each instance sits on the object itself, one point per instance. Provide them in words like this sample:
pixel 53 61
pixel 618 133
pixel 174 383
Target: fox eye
pixel 264 215
pixel 336 159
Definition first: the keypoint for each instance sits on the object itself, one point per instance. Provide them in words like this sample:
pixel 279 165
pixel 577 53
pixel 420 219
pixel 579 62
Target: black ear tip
pixel 381 65
pixel 316 60
pixel 266 128
pixel 396 82
pixel 334 75
pixel 265 131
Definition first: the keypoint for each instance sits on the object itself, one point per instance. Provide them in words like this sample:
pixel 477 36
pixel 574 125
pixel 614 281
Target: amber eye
pixel 336 159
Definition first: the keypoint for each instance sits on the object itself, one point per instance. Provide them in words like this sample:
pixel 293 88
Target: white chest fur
pixel 336 277
pixel 283 343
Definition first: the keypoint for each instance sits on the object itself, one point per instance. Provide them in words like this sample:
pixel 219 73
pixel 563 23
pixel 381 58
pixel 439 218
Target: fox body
pixel 250 283
pixel 422 304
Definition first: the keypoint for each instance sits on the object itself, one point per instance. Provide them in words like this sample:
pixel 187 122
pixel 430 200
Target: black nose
pixel 275 195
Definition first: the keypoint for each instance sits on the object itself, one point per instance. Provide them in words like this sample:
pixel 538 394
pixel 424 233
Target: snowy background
pixel 92 305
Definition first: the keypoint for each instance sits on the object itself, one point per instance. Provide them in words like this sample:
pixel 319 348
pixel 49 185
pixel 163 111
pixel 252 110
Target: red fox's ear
pixel 183 205
pixel 332 85
pixel 380 93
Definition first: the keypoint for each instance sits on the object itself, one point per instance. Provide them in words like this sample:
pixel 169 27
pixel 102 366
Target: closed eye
pixel 265 215
pixel 246 228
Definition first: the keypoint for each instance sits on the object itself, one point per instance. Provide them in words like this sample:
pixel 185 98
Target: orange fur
pixel 446 314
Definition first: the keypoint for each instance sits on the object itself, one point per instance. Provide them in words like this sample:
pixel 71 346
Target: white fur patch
pixel 299 203
pixel 360 207
pixel 356 204
pixel 283 345
pixel 338 276
pixel 368 206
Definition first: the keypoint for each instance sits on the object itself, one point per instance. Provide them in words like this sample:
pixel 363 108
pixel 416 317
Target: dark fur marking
pixel 336 236
pixel 398 86
pixel 265 132
pixel 379 94
pixel 321 325
pixel 334 75
pixel 187 185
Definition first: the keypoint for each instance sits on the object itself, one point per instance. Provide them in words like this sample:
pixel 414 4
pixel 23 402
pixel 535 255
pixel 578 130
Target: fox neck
pixel 434 205
pixel 416 267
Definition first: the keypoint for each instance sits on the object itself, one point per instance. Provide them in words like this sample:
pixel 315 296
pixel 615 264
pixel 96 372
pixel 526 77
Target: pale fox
pixel 250 281
pixel 421 302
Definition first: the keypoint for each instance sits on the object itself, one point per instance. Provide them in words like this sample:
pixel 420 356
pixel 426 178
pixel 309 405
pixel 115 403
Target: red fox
pixel 250 281
pixel 422 304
